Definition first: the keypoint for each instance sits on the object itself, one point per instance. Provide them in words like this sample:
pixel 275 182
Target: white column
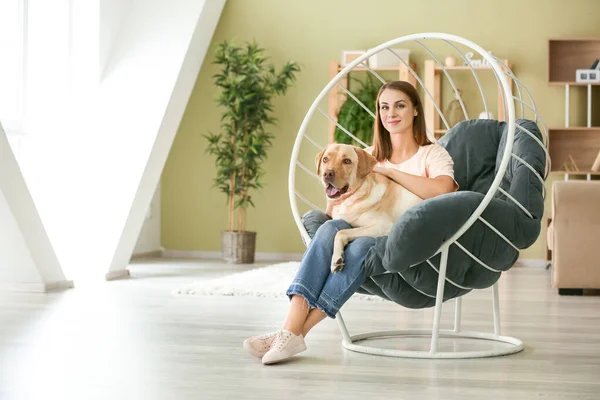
pixel 567 108
pixel 190 26
pixel 27 259
pixel 589 106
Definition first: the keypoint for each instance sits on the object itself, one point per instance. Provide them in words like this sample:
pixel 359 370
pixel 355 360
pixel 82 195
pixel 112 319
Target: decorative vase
pixel 454 113
pixel 450 61
pixel 238 247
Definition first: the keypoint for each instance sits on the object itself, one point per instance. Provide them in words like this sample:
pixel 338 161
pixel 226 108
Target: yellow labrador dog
pixel 368 201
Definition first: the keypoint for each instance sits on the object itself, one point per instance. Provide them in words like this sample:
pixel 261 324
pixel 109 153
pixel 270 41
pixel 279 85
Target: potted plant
pixel 353 116
pixel 247 86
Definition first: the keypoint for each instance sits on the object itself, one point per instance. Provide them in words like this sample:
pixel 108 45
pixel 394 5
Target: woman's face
pixel 396 111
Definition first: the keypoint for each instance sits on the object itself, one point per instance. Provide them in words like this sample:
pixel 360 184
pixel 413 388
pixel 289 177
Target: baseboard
pixel 60 285
pixel 262 256
pixel 120 274
pixel 147 254
pixel 36 287
pixel 531 263
pixel 217 255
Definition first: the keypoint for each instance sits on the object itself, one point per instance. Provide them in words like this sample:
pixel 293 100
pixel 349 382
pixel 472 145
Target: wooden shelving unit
pixel 573 83
pixel 337 96
pixel 433 79
pixel 582 143
pixel 565 56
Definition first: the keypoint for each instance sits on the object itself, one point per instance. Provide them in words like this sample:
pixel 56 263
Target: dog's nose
pixel 329 174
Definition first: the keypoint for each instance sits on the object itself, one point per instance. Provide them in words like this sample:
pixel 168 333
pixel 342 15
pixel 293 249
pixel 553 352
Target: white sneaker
pixel 259 345
pixel 284 346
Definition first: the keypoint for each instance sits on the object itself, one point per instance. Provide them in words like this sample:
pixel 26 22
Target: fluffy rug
pixel 270 281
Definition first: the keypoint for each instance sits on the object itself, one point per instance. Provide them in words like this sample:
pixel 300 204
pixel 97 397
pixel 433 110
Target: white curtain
pixel 11 65
pixel 34 72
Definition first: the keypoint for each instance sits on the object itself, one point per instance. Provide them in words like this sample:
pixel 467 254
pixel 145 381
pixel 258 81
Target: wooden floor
pixel 133 339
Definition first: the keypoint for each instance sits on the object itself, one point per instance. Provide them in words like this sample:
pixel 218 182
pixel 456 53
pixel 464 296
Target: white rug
pixel 270 281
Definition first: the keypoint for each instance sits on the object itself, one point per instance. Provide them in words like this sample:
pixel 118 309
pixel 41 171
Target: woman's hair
pixel 382 144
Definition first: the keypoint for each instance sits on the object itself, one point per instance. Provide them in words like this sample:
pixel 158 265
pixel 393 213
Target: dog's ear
pixel 366 162
pixel 318 161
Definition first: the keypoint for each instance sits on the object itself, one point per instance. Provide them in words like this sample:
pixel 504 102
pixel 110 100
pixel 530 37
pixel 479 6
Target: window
pixel 11 66
pixel 34 72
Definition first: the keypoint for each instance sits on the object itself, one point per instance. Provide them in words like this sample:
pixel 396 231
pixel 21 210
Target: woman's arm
pixel 423 187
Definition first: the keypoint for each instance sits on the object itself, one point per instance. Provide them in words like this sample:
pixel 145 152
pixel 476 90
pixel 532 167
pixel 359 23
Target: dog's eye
pixel 347 161
pixel 325 159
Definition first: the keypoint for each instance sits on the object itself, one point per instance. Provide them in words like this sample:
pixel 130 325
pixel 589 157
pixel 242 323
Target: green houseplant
pixel 354 118
pixel 247 85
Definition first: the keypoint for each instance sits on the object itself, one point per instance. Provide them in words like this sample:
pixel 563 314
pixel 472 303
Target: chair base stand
pixel 515 345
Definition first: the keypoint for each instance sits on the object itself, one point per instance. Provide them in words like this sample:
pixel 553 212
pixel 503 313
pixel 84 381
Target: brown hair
pixel 382 144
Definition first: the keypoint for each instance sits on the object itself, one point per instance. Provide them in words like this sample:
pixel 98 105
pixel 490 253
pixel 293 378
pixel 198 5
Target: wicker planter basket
pixel 238 247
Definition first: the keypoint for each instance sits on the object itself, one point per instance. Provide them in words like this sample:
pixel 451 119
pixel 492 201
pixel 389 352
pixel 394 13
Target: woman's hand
pixel 381 170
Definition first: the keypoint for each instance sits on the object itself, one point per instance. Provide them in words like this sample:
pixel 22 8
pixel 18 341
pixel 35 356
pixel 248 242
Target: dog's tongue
pixel 332 191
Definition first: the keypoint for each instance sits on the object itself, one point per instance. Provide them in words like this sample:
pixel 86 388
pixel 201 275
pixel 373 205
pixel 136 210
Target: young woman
pixel 404 154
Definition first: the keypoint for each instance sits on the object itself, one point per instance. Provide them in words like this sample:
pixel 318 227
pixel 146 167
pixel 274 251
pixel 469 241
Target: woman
pixel 404 154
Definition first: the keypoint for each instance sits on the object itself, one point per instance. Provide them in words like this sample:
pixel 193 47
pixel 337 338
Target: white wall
pixel 144 89
pixel 84 57
pixel 113 14
pixel 94 170
pixel 149 238
pixel 165 45
pixel 14 250
pixel 27 259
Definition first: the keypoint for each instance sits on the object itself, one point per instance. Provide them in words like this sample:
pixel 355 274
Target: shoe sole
pixel 290 354
pixel 250 350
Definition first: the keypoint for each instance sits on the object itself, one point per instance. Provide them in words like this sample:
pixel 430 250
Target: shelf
pixel 383 69
pixel 463 68
pixel 565 56
pixel 576 173
pixel 401 68
pixel 583 144
pixel 574 83
pixel 578 39
pixel 576 128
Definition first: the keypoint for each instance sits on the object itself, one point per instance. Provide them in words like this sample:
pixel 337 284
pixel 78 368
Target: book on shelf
pixel 596 164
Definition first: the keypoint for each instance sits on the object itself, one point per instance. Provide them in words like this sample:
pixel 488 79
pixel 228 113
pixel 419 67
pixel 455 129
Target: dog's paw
pixel 337 263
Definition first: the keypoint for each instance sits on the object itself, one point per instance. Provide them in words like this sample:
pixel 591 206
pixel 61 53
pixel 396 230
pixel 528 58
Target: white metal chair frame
pixel 349 342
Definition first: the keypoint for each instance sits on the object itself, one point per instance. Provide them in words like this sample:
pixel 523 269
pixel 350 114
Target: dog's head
pixel 342 168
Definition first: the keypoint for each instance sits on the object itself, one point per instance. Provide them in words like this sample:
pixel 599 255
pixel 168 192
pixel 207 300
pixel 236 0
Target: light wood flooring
pixel 133 339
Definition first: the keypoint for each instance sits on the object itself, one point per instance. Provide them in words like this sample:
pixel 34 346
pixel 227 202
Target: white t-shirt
pixel 430 161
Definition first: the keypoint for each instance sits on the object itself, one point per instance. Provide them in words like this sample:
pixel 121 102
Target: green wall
pixel 314 33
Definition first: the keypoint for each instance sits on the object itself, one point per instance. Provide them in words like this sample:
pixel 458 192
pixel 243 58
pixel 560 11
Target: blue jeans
pixel 314 280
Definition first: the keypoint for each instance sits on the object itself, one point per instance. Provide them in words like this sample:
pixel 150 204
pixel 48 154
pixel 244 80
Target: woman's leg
pixel 314 317
pixel 350 280
pixel 308 283
pixel 338 288
pixel 297 315
pixel 314 271
pixel 341 286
